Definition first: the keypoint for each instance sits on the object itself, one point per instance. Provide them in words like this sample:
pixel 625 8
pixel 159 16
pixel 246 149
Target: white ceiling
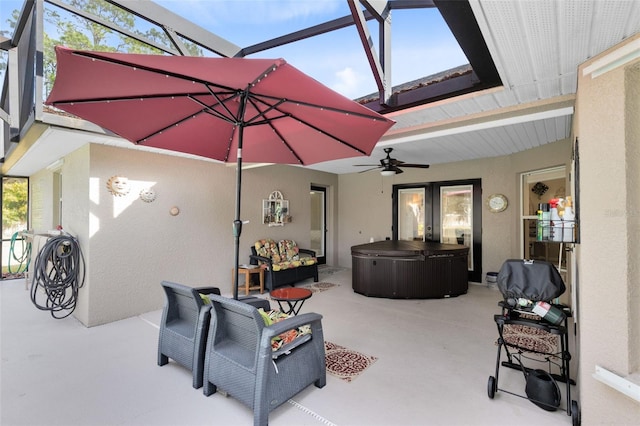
pixel 536 45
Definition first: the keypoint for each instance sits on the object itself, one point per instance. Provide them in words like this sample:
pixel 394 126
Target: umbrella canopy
pixel 228 109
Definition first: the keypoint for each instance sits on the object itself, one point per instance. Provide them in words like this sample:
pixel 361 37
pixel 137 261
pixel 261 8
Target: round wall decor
pixel 497 203
pixel 148 195
pixel 118 185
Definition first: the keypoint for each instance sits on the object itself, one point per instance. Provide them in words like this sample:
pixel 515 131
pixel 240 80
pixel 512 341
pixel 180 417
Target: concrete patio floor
pixel 434 360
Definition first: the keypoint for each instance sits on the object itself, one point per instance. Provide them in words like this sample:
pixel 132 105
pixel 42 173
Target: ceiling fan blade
pixel 368 170
pixel 388 164
pixel 419 166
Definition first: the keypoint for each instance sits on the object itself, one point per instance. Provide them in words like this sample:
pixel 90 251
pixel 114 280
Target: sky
pixel 421 42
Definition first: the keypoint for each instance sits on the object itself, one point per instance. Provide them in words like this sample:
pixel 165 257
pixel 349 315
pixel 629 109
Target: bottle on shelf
pixel 544 222
pixel 556 231
pixel 568 221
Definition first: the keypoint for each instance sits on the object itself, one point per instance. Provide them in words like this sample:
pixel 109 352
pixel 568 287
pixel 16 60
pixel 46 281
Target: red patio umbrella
pixel 228 109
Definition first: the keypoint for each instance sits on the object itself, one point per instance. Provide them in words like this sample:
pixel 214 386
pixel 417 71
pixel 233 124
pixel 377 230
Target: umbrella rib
pixel 97 57
pixel 318 106
pixel 262 113
pixel 209 109
pixel 268 121
pixel 259 98
pixel 159 131
pixel 355 148
pixel 126 98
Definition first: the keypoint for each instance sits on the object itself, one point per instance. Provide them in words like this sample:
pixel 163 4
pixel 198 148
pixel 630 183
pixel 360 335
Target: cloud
pixel 256 12
pixel 348 82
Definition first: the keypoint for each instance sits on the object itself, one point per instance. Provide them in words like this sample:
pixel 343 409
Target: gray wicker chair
pixel 184 326
pixel 239 359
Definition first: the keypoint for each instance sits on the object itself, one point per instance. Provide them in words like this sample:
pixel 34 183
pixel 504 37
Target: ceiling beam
pixel 380 65
pixel 543 109
pixel 162 17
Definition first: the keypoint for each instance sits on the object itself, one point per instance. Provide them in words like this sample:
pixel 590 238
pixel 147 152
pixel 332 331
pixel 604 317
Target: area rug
pixel 319 287
pixel 329 270
pixel 346 364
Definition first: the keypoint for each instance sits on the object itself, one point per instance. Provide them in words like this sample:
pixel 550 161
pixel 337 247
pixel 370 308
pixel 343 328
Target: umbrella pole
pixel 237 223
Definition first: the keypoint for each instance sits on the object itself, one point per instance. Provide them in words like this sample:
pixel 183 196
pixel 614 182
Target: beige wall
pixel 607 126
pixel 365 199
pixel 41 198
pixel 130 245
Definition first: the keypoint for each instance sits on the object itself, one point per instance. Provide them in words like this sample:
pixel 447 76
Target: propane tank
pixel 549 312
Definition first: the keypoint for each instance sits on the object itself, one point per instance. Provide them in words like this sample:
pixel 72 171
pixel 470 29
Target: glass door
pixel 456 217
pixel 411 214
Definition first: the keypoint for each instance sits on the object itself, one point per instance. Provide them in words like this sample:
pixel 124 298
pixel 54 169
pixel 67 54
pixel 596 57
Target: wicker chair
pixel 184 326
pixel 240 361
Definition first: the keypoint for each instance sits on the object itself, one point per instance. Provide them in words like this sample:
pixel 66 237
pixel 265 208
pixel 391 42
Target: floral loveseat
pixel 284 262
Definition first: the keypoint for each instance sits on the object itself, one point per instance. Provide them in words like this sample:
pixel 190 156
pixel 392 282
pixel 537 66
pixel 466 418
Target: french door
pixel 444 212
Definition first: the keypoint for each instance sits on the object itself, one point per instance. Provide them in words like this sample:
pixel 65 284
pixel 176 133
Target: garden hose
pixel 58 274
pixel 24 259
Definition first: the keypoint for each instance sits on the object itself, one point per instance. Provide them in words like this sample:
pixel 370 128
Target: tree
pixel 14 204
pixel 6 33
pixel 77 32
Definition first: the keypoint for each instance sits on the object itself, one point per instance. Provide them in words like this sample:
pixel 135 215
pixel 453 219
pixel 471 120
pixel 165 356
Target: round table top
pixel 291 293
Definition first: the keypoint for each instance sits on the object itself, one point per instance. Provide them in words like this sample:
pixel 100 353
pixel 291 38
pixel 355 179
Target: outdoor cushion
pixel 284 263
pixel 268 248
pixel 289 250
pixel 274 316
pixel 285 254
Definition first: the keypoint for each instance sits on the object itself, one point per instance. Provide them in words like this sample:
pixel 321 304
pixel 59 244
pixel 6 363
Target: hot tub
pixel 409 269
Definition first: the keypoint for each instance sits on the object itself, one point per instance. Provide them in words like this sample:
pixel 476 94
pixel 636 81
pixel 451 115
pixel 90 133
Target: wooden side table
pixel 247 278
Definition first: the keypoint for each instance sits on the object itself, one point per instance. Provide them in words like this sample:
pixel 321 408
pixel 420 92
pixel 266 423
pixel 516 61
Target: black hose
pixel 58 274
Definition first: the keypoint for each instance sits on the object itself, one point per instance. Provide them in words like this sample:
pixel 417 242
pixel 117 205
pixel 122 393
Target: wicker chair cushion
pixel 274 316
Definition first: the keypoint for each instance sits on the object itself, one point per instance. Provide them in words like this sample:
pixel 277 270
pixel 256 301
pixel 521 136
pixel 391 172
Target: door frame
pixel 316 188
pixel 432 224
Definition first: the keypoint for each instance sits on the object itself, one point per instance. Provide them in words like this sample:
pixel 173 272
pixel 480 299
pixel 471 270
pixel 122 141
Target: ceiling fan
pixel 391 166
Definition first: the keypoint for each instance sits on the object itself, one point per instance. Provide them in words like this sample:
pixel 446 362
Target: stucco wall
pixel 607 111
pixel 41 198
pixel 366 205
pixel 77 213
pixel 132 245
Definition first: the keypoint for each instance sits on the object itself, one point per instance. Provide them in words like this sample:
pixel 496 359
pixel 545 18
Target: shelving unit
pixel 275 210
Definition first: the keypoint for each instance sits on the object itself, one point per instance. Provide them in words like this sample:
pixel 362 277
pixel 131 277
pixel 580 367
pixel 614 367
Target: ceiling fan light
pixel 387 172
